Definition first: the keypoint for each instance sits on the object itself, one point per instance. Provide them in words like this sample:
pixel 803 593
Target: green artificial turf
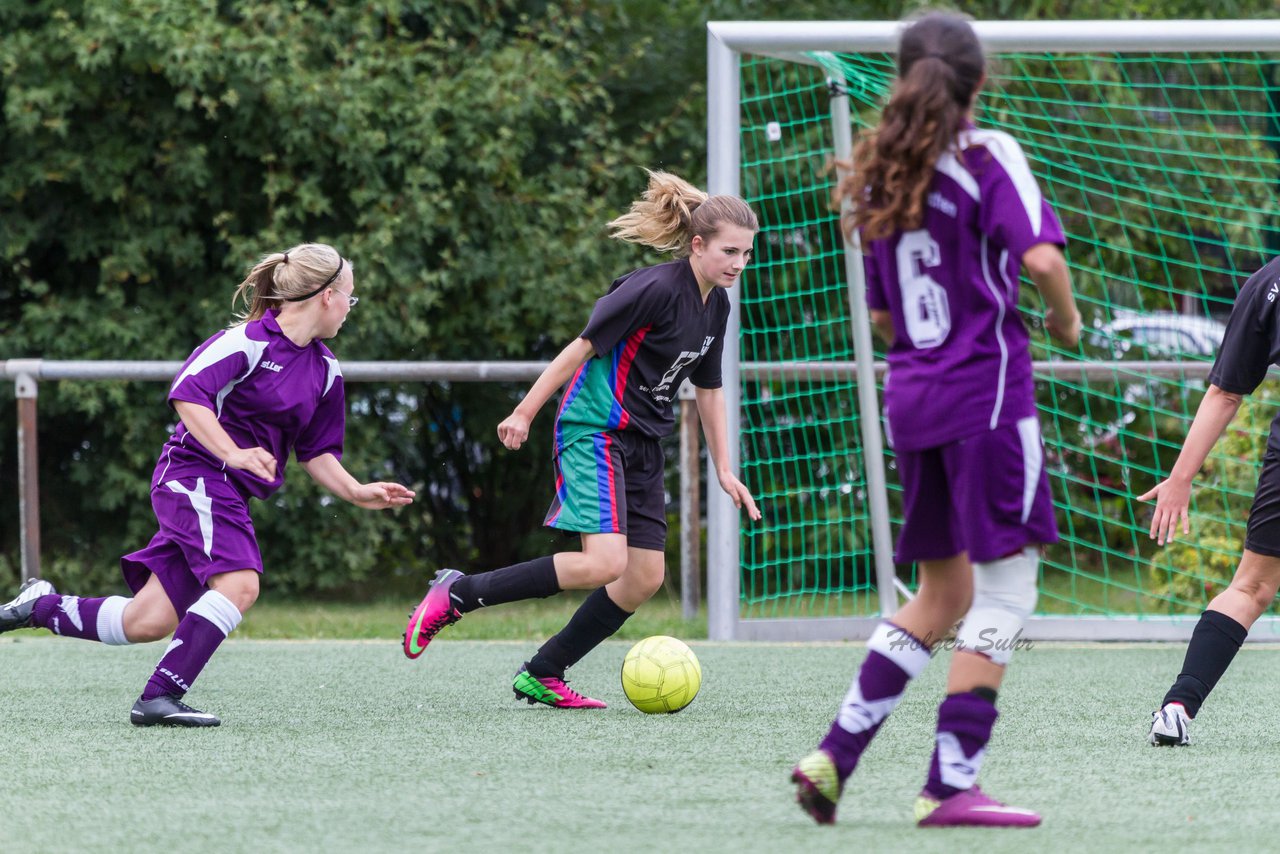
pixel 534 620
pixel 348 746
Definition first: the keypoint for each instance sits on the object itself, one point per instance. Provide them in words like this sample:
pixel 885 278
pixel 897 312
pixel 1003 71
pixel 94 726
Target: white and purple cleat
pixel 971 808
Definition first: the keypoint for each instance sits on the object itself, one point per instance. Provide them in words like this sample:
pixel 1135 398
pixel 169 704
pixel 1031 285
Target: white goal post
pixel 804 42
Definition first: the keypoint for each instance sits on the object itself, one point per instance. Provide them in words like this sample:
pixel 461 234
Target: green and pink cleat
pixel 818 786
pixel 433 613
pixel 550 692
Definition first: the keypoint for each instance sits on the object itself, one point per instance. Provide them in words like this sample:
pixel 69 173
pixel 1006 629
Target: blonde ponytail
pixel 671 212
pixel 284 276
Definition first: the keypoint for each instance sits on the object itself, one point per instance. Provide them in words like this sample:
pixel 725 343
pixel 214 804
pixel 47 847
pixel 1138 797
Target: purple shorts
pixel 205 530
pixel 987 495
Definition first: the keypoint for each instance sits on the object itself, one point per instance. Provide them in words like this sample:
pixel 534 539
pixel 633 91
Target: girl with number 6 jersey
pixel 949 214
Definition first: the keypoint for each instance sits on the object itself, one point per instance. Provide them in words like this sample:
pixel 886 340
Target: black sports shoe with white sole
pixel 169 710
pixel 16 613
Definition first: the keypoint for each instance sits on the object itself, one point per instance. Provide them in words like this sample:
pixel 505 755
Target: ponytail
pixel 671 212
pixel 940 67
pixel 301 272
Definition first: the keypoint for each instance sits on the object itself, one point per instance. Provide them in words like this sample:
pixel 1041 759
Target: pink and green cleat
pixel 551 691
pixel 971 808
pixel 433 613
pixel 818 786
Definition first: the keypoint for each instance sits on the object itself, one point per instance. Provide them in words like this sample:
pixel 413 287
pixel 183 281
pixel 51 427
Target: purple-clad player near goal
pixel 246 398
pixel 949 214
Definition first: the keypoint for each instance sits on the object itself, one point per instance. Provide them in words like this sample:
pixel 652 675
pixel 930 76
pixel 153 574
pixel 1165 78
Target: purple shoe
pixel 971 808
pixel 433 613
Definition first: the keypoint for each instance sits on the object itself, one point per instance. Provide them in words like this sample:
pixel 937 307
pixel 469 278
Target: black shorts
pixel 612 483
pixel 1263 534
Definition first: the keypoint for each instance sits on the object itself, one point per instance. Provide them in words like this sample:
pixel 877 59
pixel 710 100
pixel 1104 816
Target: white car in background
pixel 1159 335
pixel 1134 338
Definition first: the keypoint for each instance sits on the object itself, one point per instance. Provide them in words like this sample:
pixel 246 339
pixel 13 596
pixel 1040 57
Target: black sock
pixel 534 579
pixel 988 694
pixel 596 619
pixel 1214 643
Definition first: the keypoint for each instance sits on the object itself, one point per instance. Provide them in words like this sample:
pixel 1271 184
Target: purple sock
pixel 964 728
pixel 895 658
pixel 205 626
pixel 100 619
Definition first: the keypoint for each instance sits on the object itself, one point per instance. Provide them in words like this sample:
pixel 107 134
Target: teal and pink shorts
pixel 612 483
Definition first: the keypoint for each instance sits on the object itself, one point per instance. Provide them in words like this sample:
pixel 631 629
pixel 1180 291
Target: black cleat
pixel 16 613
pixel 169 710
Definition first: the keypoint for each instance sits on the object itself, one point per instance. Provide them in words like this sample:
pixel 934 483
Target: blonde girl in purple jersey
pixel 247 397
pixel 949 215
pixel 657 326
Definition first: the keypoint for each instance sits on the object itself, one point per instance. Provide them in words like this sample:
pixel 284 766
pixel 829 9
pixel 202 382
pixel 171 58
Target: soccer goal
pixel 1158 143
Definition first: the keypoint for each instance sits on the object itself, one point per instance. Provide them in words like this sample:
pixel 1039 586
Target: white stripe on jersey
pixel 1032 461
pixel 234 340
pixel 1009 154
pixel 335 371
pixel 948 165
pixel 1004 349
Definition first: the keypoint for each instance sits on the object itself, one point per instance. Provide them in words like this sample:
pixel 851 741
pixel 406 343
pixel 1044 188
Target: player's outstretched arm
pixel 514 429
pixel 711 411
pixel 328 471
pixel 202 422
pixel 1048 270
pixel 1173 495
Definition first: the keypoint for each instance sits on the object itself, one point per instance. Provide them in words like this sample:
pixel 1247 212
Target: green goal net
pixel 1164 169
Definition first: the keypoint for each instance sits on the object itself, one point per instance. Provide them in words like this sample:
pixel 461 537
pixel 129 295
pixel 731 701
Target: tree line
pixel 464 154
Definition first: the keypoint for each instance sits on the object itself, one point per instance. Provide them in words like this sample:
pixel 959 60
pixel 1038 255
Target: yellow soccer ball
pixel 661 674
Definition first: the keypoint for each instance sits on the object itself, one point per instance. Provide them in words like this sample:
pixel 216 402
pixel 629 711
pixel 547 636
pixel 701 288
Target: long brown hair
pixel 940 67
pixel 671 212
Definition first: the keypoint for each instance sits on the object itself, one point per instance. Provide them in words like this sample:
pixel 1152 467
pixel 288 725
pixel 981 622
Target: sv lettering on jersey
pixel 1274 292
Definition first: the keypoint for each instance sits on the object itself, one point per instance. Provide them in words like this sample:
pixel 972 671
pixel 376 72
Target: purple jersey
pixel 266 392
pixel 650 332
pixel 959 363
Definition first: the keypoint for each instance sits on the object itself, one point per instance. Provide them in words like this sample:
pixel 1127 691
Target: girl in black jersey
pixel 656 327
pixel 1250 346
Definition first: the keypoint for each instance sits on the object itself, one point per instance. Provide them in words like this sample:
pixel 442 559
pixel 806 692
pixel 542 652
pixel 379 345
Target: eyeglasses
pixel 351 301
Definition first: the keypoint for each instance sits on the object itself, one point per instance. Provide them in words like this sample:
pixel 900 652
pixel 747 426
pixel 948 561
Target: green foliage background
pixel 464 154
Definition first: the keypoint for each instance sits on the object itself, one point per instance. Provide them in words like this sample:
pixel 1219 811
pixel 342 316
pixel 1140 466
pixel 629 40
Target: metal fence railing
pixel 27 374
